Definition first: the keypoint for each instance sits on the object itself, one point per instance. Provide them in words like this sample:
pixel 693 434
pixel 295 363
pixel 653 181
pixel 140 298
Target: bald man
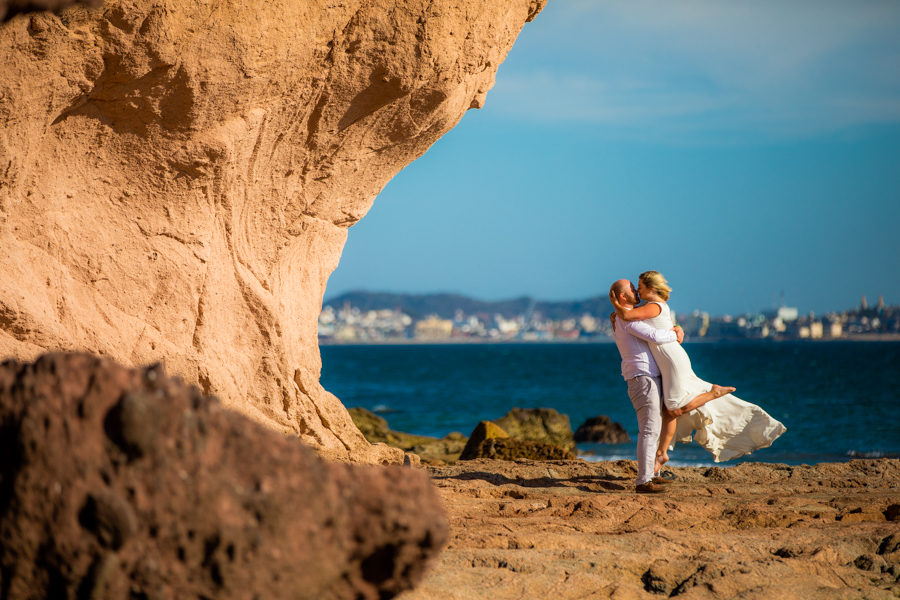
pixel 644 380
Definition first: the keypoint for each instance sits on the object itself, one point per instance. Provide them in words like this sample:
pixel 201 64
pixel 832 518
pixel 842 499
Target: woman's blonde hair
pixel 656 282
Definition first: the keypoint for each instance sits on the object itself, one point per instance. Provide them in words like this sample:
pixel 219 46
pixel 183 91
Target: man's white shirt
pixel 631 338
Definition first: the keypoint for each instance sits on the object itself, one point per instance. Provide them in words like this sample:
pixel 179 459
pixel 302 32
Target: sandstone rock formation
pixel 177 178
pixel 123 483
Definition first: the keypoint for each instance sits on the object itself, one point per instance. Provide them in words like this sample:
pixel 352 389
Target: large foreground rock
pixel 123 483
pixel 177 178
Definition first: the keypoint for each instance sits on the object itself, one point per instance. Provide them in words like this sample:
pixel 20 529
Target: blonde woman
pixel 725 425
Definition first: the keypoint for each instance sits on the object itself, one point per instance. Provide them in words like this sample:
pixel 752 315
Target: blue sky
pixel 745 150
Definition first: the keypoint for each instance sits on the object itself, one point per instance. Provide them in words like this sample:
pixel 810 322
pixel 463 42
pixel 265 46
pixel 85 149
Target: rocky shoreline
pixel 529 433
pixel 532 527
pixel 576 529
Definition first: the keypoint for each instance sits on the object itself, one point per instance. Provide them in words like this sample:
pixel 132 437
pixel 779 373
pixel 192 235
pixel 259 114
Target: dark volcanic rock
pixel 543 425
pixel 122 483
pixel 603 430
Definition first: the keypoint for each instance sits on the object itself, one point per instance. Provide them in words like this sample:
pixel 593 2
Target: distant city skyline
pixel 743 150
pixel 864 301
pixel 368 317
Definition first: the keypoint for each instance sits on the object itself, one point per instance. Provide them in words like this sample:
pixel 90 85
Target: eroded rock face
pixel 177 178
pixel 123 483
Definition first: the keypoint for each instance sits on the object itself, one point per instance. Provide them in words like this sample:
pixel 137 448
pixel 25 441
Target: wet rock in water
pixel 544 425
pixel 485 430
pixel 120 482
pixel 445 450
pixel 489 440
pixel 431 450
pixel 603 430
pixel 374 428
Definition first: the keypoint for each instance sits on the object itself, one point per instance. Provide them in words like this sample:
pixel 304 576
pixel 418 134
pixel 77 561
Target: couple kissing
pixel 670 401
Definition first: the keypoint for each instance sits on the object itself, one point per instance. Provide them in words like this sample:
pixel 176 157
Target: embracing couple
pixel 671 402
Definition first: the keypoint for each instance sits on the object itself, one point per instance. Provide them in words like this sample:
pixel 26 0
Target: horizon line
pixel 327 299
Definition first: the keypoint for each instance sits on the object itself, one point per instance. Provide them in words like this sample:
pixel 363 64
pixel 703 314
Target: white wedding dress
pixel 727 427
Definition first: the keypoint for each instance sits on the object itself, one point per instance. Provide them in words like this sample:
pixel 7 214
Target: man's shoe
pixel 649 488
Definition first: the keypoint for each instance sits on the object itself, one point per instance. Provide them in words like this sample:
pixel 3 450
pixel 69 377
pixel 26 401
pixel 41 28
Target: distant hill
pixel 446 305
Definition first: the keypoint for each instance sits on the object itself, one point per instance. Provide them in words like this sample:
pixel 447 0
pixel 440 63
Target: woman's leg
pixel 669 423
pixel 717 391
pixel 667 432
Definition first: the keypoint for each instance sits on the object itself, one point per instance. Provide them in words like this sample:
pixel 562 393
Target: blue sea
pixel 838 400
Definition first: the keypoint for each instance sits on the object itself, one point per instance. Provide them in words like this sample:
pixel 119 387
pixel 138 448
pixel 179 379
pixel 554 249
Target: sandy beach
pixel 575 529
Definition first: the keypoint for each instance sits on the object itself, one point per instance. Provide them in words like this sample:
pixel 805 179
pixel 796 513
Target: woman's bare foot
pixel 720 390
pixel 662 458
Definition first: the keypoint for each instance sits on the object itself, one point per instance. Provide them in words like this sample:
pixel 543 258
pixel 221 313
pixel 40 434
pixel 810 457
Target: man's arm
pixel 644 331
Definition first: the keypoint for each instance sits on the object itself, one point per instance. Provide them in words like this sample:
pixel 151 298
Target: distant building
pixel 787 314
pixel 696 324
pixel 726 327
pixel 434 328
pixel 816 330
pixel 506 327
pixel 836 329
pixel 588 323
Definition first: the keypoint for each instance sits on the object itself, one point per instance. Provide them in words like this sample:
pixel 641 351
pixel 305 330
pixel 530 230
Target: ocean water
pixel 838 400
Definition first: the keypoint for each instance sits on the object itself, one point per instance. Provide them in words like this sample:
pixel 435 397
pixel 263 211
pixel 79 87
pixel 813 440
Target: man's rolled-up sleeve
pixel 644 331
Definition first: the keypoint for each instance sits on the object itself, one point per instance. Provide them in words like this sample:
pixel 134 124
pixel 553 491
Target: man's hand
pixel 679 333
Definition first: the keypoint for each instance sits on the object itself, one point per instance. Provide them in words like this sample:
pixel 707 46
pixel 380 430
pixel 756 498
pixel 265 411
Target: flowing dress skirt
pixel 727 427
